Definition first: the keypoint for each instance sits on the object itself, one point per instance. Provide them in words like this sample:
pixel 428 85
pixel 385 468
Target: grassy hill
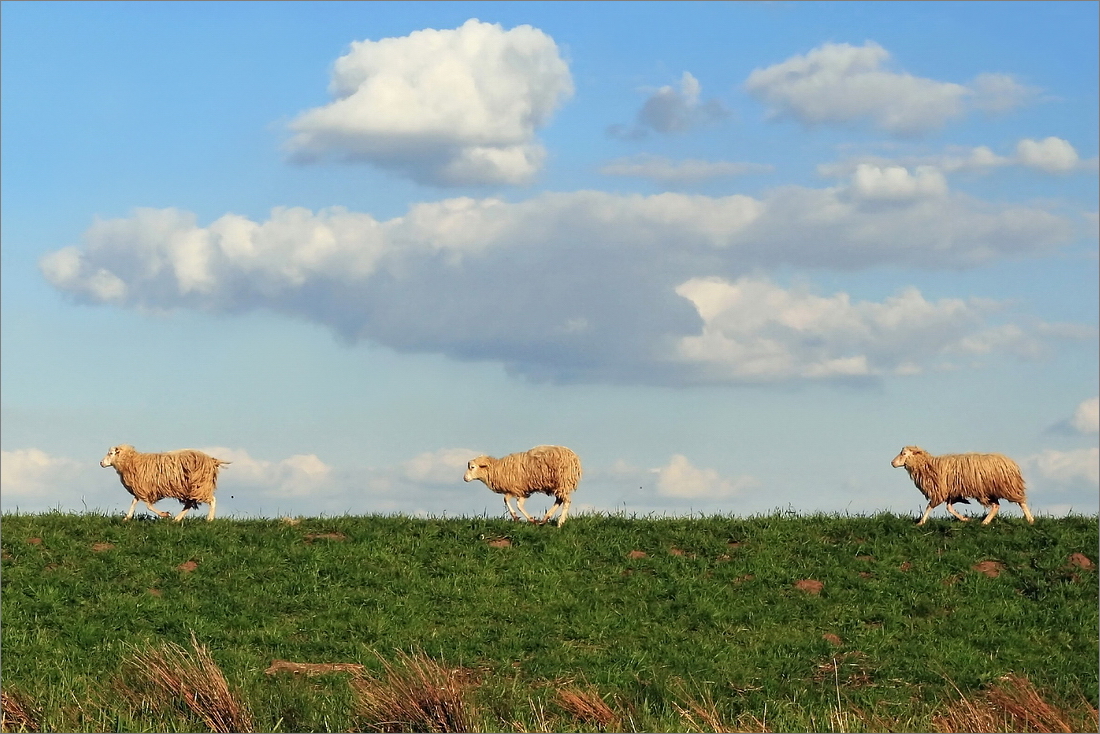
pixel 770 623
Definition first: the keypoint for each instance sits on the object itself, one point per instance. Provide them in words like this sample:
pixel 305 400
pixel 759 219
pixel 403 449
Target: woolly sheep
pixel 552 470
pixel 188 475
pixel 987 478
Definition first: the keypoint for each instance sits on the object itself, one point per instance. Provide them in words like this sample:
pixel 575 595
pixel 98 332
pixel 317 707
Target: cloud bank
pixel 442 107
pixel 591 286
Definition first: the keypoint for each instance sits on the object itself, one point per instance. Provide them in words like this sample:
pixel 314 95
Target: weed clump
pixel 194 680
pixel 416 694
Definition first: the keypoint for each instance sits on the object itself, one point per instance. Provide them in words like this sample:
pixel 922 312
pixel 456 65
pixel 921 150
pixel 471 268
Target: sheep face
pixel 477 469
pixel 901 459
pixel 109 459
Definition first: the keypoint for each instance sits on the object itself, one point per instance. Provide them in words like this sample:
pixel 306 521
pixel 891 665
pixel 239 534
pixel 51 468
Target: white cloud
pixel 298 475
pixel 444 467
pixel 434 278
pixel 754 330
pixel 669 172
pixel 444 107
pixel 680 479
pixel 841 84
pixel 1086 419
pixel 30 473
pixel 671 110
pixel 1000 93
pixel 1067 468
pixel 897 183
pixel 1052 155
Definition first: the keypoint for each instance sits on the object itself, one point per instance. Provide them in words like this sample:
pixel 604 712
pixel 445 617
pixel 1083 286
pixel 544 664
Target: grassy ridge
pixel 902 622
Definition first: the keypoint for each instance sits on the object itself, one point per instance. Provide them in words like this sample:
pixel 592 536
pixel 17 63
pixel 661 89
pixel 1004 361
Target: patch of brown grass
pixel 590 707
pixel 701 714
pixel 1013 705
pixel 311 669
pixel 416 694
pixel 190 677
pixel 16 713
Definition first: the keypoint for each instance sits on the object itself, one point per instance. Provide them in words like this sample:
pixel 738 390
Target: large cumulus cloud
pixel 592 286
pixel 443 107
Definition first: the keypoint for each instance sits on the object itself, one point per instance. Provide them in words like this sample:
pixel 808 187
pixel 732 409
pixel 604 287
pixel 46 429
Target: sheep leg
pixel 162 513
pixel 519 504
pixel 564 511
pixel 953 511
pixel 550 513
pixel 213 503
pixel 1027 513
pixel 179 517
pixel 927 511
pixel 510 510
pixel 131 512
pixel 993 509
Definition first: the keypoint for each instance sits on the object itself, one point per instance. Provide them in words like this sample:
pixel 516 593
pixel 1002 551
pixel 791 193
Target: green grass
pixel 724 622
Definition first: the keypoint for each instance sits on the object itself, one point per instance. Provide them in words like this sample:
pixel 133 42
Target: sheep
pixel 987 478
pixel 552 470
pixel 187 475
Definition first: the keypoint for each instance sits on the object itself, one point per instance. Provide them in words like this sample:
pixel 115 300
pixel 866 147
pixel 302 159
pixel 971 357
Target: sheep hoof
pixel 964 519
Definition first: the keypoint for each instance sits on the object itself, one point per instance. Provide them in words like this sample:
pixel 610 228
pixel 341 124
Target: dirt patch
pixel 187 566
pixel 310 537
pixel 155 592
pixel 500 543
pixel 5 555
pixel 735 543
pixel 286 666
pixel 865 558
pixel 1080 560
pixel 951 580
pixel 905 566
pixel 678 552
pixel 743 579
pixel 34 541
pixel 50 567
pixel 992 569
pixel 866 575
pixel 832 639
pixel 810 586
pixel 100 547
pixel 636 554
pixel 722 558
pixel 849 669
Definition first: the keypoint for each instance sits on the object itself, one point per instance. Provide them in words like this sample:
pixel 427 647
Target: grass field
pixel 769 623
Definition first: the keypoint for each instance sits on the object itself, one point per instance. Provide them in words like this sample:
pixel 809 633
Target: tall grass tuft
pixel 590 707
pixel 416 694
pixel 1011 705
pixel 16 713
pixel 193 679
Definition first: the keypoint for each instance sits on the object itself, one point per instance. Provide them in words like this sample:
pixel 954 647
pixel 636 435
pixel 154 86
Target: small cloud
pixel 298 475
pixel 680 479
pixel 897 183
pixel 837 83
pixel 1086 419
pixel 1052 155
pixel 1067 468
pixel 671 110
pixel 32 472
pixel 445 466
pixel 665 171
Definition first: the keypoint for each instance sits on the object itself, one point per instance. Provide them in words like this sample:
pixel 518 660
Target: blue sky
pixel 735 255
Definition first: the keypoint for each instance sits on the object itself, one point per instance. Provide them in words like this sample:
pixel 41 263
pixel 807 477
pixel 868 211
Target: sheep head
pixel 906 453
pixel 477 469
pixel 114 453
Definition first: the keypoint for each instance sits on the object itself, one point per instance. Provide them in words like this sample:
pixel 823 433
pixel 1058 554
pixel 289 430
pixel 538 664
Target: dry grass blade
pixel 589 706
pixel 195 680
pixel 1012 705
pixel 702 715
pixel 16 714
pixel 416 694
